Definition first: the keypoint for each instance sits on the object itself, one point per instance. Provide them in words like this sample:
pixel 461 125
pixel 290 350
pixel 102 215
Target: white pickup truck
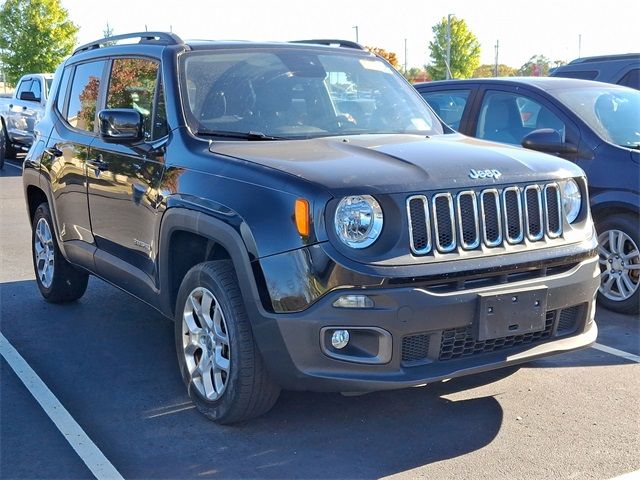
pixel 23 110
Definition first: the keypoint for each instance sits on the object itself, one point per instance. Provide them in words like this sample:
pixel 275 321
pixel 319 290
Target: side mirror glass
pixel 547 140
pixel 29 96
pixel 120 125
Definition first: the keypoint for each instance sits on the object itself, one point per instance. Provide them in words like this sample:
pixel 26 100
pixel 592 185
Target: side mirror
pixel 547 140
pixel 29 96
pixel 120 125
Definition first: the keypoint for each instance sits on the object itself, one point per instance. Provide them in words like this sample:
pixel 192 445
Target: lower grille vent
pixel 460 342
pixel 415 348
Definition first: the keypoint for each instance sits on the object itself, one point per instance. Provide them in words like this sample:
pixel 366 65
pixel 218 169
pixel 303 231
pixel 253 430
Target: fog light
pixel 339 339
pixel 353 301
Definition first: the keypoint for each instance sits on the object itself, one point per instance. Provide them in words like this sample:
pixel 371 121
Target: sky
pixel 558 29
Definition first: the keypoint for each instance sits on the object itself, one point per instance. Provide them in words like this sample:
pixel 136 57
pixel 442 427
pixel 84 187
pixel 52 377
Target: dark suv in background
pixel 305 219
pixel 594 124
pixel 621 69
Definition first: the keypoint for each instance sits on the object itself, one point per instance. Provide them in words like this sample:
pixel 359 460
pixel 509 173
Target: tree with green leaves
pixel 35 36
pixel 465 50
pixel 486 70
pixel 536 66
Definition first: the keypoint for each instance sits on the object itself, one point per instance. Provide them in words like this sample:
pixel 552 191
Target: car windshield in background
pixel 295 93
pixel 48 82
pixel 612 112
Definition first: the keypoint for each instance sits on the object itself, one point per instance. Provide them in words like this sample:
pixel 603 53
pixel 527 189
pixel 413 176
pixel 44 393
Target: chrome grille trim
pixel 517 238
pixel 444 247
pixel 473 219
pixel 553 190
pixel 425 208
pixel 496 199
pixel 529 212
pixel 461 225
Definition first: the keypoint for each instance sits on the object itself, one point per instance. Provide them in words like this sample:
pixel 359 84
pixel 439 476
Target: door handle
pixel 53 151
pixel 98 163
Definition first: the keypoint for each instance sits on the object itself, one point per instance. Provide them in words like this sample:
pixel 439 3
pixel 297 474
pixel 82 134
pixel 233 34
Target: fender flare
pixel 184 219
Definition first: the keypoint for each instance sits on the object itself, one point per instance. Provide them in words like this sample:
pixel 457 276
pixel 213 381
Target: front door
pixel 123 179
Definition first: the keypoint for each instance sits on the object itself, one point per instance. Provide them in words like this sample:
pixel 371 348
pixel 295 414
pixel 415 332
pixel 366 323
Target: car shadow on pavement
pixel 111 361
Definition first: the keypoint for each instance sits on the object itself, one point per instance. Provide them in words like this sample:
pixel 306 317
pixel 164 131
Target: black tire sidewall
pixel 629 225
pixel 200 277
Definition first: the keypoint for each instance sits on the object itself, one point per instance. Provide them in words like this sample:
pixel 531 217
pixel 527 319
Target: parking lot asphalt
pixel 110 361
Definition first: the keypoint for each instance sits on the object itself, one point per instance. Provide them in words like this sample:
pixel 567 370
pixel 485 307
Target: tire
pixel 3 152
pixel 9 151
pixel 619 249
pixel 233 383
pixel 58 280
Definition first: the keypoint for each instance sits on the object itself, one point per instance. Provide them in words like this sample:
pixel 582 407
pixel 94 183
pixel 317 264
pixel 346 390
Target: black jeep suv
pixel 304 217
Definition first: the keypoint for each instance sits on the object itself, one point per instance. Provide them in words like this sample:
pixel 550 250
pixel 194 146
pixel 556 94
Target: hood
pixel 398 163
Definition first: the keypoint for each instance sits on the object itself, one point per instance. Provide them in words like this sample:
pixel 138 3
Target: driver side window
pixel 507 118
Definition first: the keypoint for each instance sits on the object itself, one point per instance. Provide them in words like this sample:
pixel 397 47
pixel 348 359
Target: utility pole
pixel 448 47
pixel 579 45
pixel 405 56
pixel 357 39
pixel 495 71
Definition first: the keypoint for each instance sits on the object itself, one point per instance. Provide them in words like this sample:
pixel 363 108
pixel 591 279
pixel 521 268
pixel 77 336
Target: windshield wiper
pixel 239 135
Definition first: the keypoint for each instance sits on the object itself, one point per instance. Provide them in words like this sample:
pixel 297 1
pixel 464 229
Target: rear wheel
pixel 57 279
pixel 219 360
pixel 618 246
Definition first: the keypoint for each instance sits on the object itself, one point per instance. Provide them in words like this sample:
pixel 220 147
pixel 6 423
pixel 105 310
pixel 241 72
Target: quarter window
pixel 84 96
pixel 132 84
pixel 62 91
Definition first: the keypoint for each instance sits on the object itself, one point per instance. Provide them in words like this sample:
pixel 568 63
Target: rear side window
pixel 81 112
pixel 36 88
pixel 62 91
pixel 448 104
pixel 132 84
pixel 631 79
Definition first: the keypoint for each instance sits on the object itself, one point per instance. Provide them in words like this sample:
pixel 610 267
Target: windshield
pixel 48 82
pixel 296 93
pixel 614 113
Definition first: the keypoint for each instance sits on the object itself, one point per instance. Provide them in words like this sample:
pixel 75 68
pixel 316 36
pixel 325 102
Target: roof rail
pixel 158 38
pixel 332 43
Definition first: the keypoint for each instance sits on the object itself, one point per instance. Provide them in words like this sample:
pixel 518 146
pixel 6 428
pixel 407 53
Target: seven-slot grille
pixel 490 217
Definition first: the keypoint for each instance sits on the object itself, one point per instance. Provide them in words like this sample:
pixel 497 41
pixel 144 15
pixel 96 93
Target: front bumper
pixel 431 334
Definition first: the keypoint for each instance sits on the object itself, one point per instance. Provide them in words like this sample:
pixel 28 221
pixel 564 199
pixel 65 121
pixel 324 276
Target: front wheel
pixel 57 279
pixel 618 242
pixel 218 358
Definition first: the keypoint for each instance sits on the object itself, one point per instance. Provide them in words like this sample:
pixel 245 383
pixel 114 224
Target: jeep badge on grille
pixel 485 173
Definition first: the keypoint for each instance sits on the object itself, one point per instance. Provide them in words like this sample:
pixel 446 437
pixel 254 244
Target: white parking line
pixel 617 353
pixel 12 165
pixel 71 431
pixel 629 476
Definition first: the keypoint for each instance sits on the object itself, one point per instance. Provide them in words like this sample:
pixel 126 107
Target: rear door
pixel 123 179
pixel 66 153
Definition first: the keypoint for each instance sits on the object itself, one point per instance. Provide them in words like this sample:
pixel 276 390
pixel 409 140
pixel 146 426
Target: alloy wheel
pixel 205 343
pixel 620 265
pixel 44 253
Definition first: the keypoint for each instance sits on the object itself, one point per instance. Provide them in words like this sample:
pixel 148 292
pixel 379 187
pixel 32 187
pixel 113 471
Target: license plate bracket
pixel 511 313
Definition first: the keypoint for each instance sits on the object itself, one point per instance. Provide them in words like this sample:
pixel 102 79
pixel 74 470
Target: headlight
pixel 358 221
pixel 571 199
